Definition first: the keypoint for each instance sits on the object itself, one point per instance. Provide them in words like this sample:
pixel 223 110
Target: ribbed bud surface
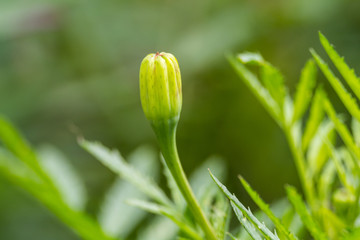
pixel 160 86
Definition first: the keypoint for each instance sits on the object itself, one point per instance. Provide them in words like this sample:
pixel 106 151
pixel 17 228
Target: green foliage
pixel 328 169
pixel 329 175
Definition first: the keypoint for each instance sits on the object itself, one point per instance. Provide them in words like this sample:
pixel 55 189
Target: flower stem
pixel 166 135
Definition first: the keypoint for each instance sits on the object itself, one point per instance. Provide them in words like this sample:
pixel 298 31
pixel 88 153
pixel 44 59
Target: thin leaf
pixel 246 212
pixel 304 214
pixel 326 181
pixel 339 167
pixel 315 118
pixel 304 89
pixel 113 160
pixel 249 226
pixel 64 176
pixel 317 154
pixel 347 73
pixel 167 212
pixel 256 87
pixel 355 125
pixel 342 130
pixel 344 95
pixel 116 217
pixel 266 209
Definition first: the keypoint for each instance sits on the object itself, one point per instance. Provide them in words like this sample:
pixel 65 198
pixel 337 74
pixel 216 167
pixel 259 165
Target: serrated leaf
pixel 246 212
pixel 64 176
pixel 315 118
pixel 342 129
pixel 257 88
pixel 304 214
pixel 116 217
pixel 304 90
pixel 270 76
pixel 248 226
pixel 348 101
pixel 113 160
pixel 266 209
pixel 175 216
pixel 348 74
pixel 273 82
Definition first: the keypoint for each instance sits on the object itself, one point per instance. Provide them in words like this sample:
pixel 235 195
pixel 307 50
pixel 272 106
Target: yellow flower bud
pixel 160 87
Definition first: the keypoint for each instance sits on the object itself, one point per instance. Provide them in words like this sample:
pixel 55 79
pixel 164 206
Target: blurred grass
pixel 67 63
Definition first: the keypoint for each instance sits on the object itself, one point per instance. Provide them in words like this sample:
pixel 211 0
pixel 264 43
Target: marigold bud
pixel 160 87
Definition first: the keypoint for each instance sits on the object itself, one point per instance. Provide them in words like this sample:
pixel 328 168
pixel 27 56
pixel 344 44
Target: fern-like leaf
pixel 266 209
pixel 304 214
pixel 348 74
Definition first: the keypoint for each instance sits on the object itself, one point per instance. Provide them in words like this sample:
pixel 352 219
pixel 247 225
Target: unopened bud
pixel 160 87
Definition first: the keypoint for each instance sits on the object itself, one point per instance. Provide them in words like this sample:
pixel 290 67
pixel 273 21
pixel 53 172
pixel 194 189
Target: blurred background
pixel 70 67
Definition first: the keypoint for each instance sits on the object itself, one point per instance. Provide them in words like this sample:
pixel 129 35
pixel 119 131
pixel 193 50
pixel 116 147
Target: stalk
pixel 166 135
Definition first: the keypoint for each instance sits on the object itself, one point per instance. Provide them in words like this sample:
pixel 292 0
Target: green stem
pixel 301 168
pixel 166 135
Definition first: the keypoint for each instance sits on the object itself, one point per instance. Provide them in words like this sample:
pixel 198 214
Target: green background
pixel 71 67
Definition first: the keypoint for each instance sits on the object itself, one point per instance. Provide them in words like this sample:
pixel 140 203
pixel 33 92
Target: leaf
pixel 167 212
pixel 348 74
pixel 204 189
pixel 273 82
pixel 344 95
pixel 342 173
pixel 317 155
pixel 270 76
pixel 78 221
pixel 116 217
pixel 342 130
pixel 64 176
pixel 251 58
pixel 304 214
pixel 256 87
pixel 159 228
pixel 220 215
pixel 13 140
pixel 355 125
pixel 304 89
pixel 113 160
pixel 249 226
pixel 326 181
pixel 333 224
pixel 246 212
pixel 266 209
pixel 315 118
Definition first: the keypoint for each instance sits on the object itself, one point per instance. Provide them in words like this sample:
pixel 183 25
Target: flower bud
pixel 160 87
